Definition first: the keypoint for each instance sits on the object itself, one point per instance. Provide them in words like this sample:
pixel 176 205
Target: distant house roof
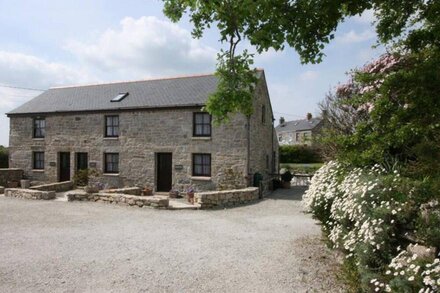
pixel 298 125
pixel 158 93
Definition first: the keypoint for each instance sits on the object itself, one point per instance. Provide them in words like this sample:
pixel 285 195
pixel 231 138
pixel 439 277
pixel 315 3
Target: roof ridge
pixel 133 81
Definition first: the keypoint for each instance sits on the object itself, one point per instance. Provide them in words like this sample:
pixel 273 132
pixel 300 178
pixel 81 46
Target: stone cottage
pixel 148 132
pixel 298 132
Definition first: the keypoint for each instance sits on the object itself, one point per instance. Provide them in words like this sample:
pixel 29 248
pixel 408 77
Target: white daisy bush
pixel 366 213
pixel 409 272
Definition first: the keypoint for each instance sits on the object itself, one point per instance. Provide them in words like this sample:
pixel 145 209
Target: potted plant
pixel 147 191
pixel 286 177
pixel 190 194
pixel 174 193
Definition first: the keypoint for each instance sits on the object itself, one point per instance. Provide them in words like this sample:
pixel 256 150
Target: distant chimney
pixel 309 116
pixel 282 120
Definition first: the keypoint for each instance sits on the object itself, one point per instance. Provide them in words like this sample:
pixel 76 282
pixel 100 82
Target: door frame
pixel 60 166
pixel 157 160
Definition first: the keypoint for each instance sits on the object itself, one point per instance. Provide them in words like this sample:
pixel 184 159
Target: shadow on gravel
pixel 294 193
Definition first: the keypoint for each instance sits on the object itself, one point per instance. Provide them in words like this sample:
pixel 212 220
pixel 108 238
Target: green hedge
pixel 299 154
pixel 4 159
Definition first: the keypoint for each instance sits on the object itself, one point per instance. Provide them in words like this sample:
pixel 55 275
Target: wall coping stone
pixel 126 190
pixel 29 193
pixel 155 201
pixel 57 186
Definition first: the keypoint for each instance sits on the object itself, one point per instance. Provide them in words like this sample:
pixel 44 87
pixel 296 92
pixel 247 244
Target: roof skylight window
pixel 119 97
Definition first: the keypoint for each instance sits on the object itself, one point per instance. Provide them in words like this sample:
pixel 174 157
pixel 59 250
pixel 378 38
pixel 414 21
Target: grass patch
pixel 299 168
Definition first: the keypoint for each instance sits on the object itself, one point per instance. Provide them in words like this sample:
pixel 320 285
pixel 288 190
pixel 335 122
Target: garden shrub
pixel 299 154
pixel 370 214
pixel 4 158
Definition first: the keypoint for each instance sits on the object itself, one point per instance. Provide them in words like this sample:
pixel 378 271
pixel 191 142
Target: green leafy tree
pixel 307 26
pixel 4 157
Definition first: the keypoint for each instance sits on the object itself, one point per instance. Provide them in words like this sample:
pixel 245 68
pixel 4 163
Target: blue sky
pixel 52 43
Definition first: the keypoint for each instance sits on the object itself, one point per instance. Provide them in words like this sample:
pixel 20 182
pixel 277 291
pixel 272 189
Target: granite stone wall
pixel 57 187
pixel 264 148
pixel 29 193
pixel 143 134
pixel 226 198
pixel 119 198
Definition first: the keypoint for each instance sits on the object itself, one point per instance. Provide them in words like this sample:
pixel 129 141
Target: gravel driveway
pixel 269 246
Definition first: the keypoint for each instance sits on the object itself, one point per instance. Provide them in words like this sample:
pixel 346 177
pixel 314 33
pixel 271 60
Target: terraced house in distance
pixel 139 133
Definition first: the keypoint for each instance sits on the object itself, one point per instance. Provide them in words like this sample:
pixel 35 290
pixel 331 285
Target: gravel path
pixel 270 246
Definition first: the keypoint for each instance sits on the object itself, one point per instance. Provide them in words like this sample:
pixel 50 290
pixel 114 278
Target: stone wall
pixel 128 190
pixel 143 134
pixel 10 176
pixel 57 187
pixel 29 193
pixel 2 190
pixel 226 198
pixel 264 148
pixel 119 198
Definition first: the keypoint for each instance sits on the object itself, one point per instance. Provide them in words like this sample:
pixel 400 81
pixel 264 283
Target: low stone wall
pixel 57 187
pixel 2 190
pixel 118 198
pixel 10 177
pixel 127 190
pixel 226 198
pixel 29 193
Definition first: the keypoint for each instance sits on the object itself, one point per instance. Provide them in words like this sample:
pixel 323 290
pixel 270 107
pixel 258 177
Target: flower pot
pixel 147 192
pixel 286 184
pixel 190 196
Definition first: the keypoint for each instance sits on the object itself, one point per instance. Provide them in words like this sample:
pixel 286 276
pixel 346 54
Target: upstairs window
pixel 111 163
pixel 112 126
pixel 202 165
pixel 39 128
pixel 202 124
pixel 38 160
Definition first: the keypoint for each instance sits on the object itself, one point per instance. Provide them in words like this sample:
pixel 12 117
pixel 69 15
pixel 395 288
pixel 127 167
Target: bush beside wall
pixel 386 224
pixel 299 154
pixel 4 157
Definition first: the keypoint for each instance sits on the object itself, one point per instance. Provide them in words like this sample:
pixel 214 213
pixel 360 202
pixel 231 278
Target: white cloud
pixel 367 17
pixel 30 71
pixel 309 75
pixel 355 37
pixel 145 47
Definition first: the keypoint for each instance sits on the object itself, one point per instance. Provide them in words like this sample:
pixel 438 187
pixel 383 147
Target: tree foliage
pixel 4 157
pixel 307 26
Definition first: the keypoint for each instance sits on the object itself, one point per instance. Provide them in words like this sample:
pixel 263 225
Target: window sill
pixel 38 138
pixel 38 170
pixel 110 138
pixel 201 138
pixel 110 174
pixel 200 178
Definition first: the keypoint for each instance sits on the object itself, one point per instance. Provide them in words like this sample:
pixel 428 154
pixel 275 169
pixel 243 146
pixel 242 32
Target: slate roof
pixel 298 125
pixel 171 92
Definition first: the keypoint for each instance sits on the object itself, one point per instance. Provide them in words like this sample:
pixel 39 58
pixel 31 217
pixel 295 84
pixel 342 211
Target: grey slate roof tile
pixel 298 125
pixel 172 92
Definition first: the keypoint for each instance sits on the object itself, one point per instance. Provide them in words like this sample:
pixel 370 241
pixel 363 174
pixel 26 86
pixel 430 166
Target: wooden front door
pixel 82 161
pixel 64 165
pixel 164 171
